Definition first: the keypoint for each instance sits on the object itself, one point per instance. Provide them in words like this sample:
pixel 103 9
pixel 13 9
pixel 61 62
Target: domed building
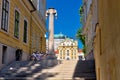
pixel 65 48
pixel 58 38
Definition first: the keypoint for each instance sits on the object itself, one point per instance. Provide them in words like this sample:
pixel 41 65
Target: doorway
pixel 18 54
pixel 4 52
pixel 68 58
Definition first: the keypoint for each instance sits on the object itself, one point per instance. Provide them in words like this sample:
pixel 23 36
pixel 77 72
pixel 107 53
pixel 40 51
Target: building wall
pixel 38 30
pixel 67 47
pixel 97 53
pixel 107 40
pixel 88 28
pixel 7 38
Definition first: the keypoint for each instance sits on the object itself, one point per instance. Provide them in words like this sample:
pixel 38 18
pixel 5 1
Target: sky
pixel 68 18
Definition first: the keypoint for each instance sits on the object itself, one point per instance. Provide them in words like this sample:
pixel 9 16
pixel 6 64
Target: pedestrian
pixel 33 56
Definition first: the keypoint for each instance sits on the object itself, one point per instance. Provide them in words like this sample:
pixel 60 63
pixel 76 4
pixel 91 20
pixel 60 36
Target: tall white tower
pixel 51 12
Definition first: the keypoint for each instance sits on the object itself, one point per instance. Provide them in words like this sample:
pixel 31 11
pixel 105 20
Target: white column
pixel 51 12
pixel 51 34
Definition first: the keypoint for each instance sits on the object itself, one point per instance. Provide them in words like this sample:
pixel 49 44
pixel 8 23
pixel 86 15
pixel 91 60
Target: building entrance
pixel 18 54
pixel 4 52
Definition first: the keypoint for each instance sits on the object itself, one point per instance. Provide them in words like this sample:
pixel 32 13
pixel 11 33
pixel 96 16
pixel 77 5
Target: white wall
pixel 10 55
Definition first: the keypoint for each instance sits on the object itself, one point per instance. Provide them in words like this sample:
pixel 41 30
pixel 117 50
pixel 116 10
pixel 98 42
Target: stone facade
pixel 68 50
pixel 12 38
pixel 106 30
pixel 107 40
pixel 88 28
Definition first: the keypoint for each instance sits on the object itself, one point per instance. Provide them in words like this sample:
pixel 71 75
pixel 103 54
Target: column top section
pixel 51 11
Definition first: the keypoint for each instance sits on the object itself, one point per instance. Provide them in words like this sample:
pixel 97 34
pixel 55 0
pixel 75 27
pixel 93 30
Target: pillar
pixel 51 12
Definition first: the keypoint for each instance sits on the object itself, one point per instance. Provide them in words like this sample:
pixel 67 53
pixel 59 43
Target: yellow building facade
pixel 68 50
pixel 107 40
pixel 19 20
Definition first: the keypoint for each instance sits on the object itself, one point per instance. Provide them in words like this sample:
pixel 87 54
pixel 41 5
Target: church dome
pixel 59 36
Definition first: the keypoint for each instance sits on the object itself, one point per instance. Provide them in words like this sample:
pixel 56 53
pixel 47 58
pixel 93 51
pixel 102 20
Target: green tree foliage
pixel 79 34
pixel 81 38
pixel 81 12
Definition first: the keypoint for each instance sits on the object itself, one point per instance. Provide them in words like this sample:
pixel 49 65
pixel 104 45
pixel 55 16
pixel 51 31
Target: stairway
pixel 65 70
pixel 19 69
pixel 85 69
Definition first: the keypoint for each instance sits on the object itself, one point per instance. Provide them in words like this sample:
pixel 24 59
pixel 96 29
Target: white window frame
pixel 16 9
pixel 25 19
pixel 1 17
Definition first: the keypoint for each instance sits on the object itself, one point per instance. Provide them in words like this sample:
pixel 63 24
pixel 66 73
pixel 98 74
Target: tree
pixel 81 38
pixel 81 12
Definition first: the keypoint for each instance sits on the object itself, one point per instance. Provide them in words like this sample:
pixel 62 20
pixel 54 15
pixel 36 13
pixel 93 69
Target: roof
pixel 59 36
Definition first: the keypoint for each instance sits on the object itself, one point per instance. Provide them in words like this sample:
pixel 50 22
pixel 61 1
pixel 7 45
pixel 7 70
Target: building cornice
pixel 29 4
pixel 34 8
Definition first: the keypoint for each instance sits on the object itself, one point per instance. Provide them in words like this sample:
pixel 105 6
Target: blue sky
pixel 68 19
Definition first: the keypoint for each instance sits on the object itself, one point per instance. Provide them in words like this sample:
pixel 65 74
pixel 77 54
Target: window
pixel 74 53
pixel 60 53
pixel 16 28
pixel 60 57
pixel 25 32
pixel 67 52
pixel 5 13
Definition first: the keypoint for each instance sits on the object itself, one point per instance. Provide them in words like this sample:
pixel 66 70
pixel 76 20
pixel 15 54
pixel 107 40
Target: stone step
pixel 68 70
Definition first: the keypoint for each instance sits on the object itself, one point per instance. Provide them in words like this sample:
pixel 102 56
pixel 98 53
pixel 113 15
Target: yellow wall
pixel 37 31
pixel 8 37
pixel 107 57
pixel 34 24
